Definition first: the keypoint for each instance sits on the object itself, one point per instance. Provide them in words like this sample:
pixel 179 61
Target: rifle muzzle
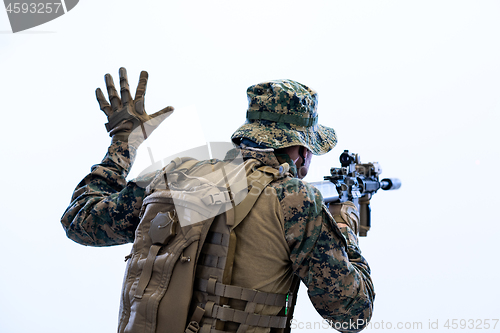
pixel 390 184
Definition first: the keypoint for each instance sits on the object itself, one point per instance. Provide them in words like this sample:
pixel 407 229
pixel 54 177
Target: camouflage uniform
pixel 105 211
pixel 105 208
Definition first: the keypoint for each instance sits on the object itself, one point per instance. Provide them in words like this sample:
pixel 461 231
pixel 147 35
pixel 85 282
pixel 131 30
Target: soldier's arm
pixel 104 208
pixel 328 260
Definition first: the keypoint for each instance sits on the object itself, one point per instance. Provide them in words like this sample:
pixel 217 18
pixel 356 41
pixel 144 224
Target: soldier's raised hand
pixel 127 119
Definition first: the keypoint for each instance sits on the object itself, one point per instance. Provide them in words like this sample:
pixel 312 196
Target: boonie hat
pixel 282 113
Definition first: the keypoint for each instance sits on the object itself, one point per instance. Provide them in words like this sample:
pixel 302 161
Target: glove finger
pixel 155 120
pixel 163 111
pixel 141 87
pixel 112 93
pixel 124 87
pixel 103 103
pixel 139 106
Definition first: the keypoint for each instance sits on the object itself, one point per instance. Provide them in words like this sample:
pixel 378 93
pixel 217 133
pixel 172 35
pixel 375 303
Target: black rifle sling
pixel 294 291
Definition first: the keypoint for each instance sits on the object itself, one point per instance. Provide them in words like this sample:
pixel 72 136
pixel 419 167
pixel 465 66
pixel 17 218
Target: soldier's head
pixel 282 114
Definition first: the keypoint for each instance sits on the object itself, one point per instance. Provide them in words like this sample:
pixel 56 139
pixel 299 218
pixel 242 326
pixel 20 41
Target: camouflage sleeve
pixel 104 208
pixel 327 259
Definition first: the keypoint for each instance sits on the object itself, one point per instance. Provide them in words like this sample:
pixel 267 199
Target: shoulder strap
pixel 177 163
pixel 259 179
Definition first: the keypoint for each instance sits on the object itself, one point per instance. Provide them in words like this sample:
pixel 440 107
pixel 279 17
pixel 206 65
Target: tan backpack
pixel 178 275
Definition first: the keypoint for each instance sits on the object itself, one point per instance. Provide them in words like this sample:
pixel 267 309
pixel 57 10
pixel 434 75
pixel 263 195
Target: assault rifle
pixel 356 182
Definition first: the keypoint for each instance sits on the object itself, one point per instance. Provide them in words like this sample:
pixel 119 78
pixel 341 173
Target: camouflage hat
pixel 282 113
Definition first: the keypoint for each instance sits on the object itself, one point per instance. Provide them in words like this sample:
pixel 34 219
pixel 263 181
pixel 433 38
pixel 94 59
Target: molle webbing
pixel 245 294
pixel 246 318
pixel 213 260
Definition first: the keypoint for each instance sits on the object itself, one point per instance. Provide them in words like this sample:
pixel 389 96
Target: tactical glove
pixel 127 120
pixel 347 213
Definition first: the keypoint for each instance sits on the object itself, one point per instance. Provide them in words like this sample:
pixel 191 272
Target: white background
pixel 414 85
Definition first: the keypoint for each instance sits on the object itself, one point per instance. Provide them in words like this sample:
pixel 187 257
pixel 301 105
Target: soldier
pixel 288 232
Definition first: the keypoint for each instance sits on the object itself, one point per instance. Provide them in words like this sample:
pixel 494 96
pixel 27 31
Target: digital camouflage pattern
pixel 327 258
pixel 105 208
pixel 283 113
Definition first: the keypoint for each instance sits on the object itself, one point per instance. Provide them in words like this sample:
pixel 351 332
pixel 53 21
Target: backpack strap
pixel 247 318
pixel 259 179
pixel 241 293
pixel 177 163
pixel 147 270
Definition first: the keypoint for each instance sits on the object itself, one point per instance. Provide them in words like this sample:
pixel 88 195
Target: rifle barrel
pixel 327 189
pixel 330 194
